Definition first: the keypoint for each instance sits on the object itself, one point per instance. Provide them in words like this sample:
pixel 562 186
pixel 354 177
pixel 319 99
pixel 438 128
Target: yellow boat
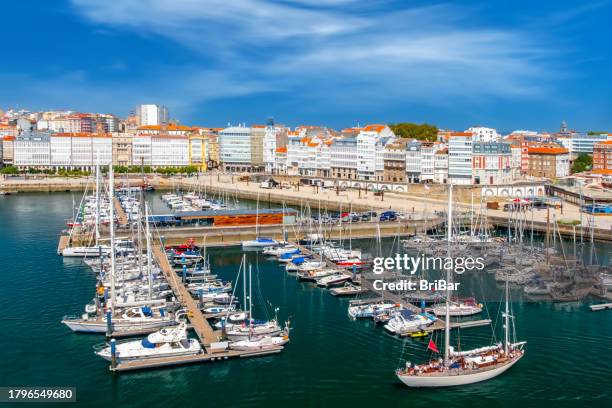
pixel 421 333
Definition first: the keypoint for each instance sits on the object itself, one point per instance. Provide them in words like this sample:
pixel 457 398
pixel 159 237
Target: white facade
pixel 413 161
pixel 235 146
pixel 371 143
pixel 152 115
pixel 169 151
pixel 484 134
pixel 343 153
pixel 63 151
pixel 428 151
pixel 460 158
pixel 441 166
pixel 32 151
pixel 160 150
pixel 563 165
pixel 269 148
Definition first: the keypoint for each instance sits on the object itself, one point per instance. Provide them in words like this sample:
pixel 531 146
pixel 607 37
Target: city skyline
pixel 337 65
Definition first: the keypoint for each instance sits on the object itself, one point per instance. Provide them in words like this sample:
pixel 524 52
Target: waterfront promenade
pixel 362 201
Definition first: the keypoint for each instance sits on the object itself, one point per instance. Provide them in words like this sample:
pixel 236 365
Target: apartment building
pixel 549 161
pixel 343 158
pixel 460 158
pixel 491 163
pixel 602 155
pixel 395 162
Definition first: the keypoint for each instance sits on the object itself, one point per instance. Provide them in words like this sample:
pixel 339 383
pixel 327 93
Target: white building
pixel 428 150
pixel 371 142
pixel 441 166
pixel 413 161
pixel 152 115
pixel 583 143
pixel 32 149
pixel 235 148
pixel 343 158
pixel 460 158
pixel 484 134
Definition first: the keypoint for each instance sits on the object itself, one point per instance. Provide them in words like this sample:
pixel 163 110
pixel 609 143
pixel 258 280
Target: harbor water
pixel 331 361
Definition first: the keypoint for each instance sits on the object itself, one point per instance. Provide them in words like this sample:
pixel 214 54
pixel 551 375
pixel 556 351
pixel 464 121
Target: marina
pixel 316 314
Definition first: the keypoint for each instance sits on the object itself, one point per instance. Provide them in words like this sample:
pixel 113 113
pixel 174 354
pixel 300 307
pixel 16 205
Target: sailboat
pixel 97 249
pixel 258 242
pixel 463 367
pixel 147 315
pixel 250 328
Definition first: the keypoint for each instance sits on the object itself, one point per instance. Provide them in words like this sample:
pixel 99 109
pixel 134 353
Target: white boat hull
pixel 457 379
pixel 96 326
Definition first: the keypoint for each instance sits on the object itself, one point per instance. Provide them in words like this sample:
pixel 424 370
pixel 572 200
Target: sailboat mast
pixel 250 294
pixel 449 236
pixel 111 194
pixel 97 218
pixel 149 262
pixel 244 291
pixel 506 322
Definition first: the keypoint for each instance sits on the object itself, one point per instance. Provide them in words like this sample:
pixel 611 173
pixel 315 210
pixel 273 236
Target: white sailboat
pixel 258 242
pixel 250 328
pixel 466 367
pixel 459 309
pixel 143 317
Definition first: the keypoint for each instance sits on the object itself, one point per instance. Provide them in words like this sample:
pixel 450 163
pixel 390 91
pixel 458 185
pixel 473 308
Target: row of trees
pixel 417 131
pixel 118 169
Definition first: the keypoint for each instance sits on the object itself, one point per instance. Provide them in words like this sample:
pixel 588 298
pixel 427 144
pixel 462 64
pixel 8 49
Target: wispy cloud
pixel 322 49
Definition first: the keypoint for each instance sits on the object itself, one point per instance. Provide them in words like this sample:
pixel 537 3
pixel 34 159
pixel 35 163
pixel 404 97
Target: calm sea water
pixel 331 361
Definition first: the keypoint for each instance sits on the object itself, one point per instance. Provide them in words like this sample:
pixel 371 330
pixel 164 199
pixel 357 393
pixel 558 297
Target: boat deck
pixel 64 240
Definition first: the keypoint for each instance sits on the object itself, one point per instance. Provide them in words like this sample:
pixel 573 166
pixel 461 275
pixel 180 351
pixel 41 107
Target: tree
pixel 582 163
pixel 594 132
pixel 9 170
pixel 417 131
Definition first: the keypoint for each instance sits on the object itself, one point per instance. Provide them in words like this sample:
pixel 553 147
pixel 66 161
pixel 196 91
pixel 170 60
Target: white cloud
pixel 324 48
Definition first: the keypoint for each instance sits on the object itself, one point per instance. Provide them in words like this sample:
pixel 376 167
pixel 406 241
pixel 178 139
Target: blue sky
pixel 506 64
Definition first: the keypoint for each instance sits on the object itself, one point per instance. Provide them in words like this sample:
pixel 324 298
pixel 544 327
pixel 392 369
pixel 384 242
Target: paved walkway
pixel 396 201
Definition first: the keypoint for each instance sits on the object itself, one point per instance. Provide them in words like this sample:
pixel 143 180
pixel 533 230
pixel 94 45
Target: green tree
pixel 9 170
pixel 582 163
pixel 422 131
pixel 594 132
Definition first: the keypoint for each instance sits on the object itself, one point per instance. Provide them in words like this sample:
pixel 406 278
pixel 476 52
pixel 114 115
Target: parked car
pixel 388 216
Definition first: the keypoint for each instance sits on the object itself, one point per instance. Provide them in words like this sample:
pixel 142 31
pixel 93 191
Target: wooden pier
pixel 122 218
pixel 200 325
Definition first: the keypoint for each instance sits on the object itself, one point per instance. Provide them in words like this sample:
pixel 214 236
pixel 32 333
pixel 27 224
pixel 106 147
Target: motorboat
pixel 167 342
pixel 406 321
pixel 260 343
pixel 333 280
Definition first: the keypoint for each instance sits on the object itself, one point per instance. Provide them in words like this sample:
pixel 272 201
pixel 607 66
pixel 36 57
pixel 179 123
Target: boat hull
pixel 98 327
pixel 419 381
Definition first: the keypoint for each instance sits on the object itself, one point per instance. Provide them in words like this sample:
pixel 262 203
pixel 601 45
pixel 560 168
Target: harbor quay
pixel 422 204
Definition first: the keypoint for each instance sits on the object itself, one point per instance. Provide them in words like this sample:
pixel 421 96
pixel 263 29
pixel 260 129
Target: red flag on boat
pixel 432 346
